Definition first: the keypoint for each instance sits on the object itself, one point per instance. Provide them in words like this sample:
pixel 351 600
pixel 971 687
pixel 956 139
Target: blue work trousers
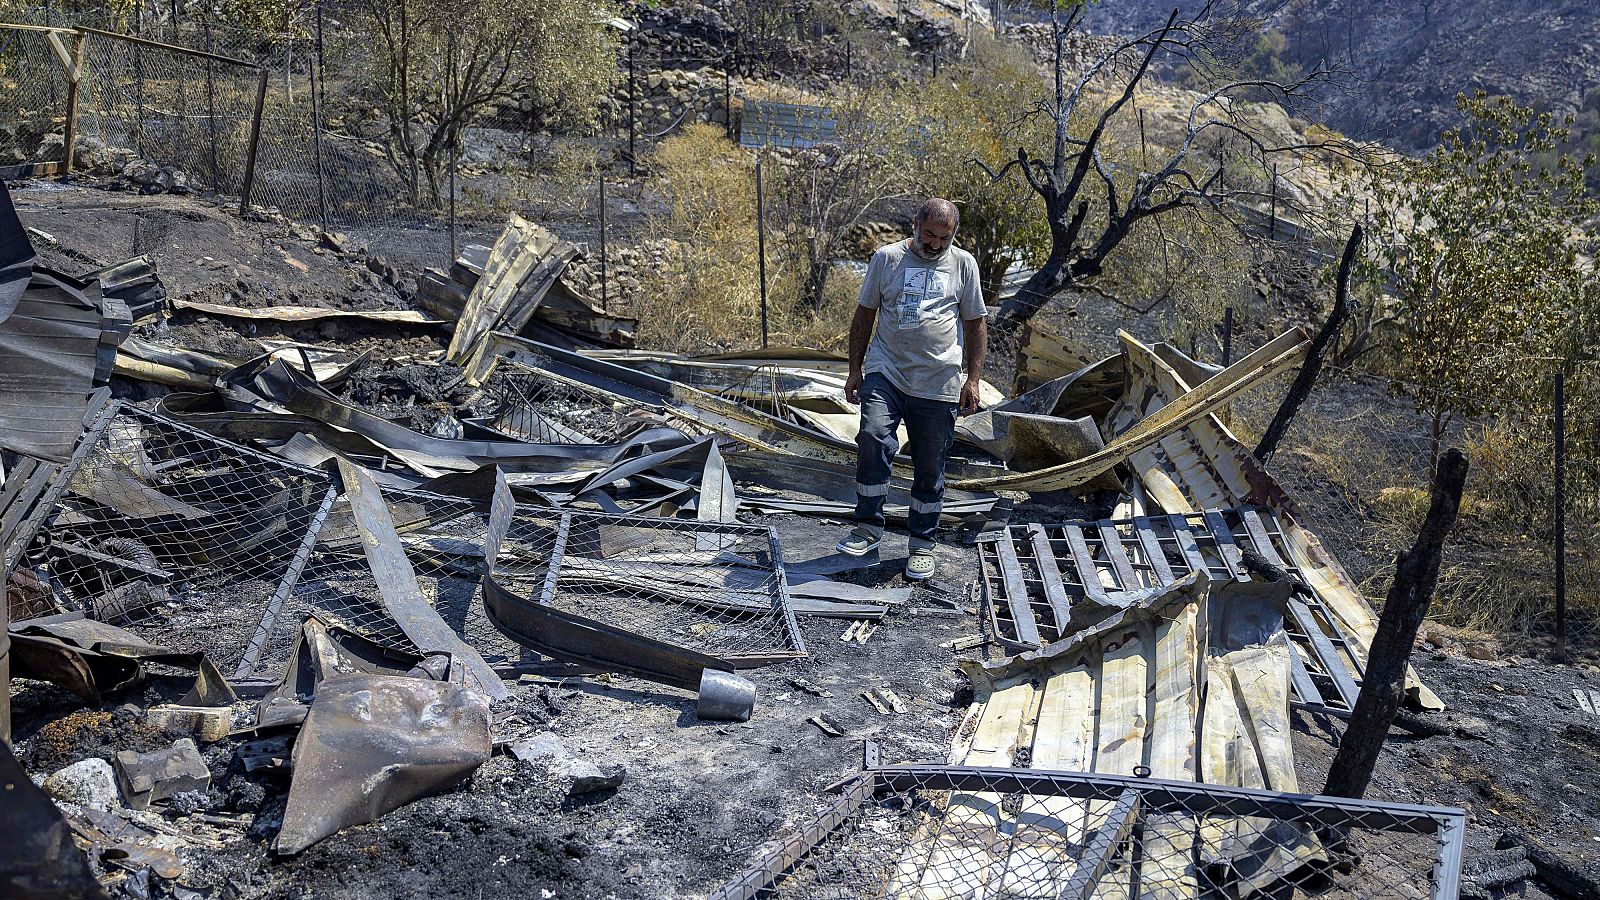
pixel 930 426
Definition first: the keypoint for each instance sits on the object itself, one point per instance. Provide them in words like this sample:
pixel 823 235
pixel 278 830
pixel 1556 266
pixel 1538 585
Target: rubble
pixel 147 778
pixel 553 513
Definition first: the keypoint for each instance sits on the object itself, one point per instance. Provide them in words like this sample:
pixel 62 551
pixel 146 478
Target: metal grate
pixel 444 539
pixel 929 832
pixel 1044 583
pixel 709 587
pixel 190 541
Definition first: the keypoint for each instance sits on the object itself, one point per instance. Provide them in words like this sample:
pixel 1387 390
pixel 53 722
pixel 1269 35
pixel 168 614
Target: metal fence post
pixel 75 76
pixel 1272 223
pixel 455 147
pixel 761 251
pixel 1227 336
pixel 1561 513
pixel 605 299
pixel 255 142
pixel 727 98
pixel 318 81
pixel 211 107
pixel 633 129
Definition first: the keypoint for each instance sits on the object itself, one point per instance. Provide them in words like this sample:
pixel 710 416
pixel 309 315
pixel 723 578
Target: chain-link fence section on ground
pixel 937 831
pixel 182 538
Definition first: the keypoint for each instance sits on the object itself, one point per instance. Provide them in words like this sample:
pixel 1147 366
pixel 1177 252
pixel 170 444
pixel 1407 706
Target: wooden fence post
pixel 255 142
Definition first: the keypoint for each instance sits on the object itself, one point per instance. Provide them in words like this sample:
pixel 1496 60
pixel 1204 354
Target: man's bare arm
pixel 976 348
pixel 860 335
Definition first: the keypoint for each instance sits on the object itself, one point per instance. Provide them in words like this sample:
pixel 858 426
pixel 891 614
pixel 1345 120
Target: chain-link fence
pixel 936 831
pixel 33 94
pixel 189 541
pixel 1359 458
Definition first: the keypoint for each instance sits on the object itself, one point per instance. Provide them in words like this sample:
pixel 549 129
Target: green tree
pixel 1494 280
pixel 433 78
pixel 971 116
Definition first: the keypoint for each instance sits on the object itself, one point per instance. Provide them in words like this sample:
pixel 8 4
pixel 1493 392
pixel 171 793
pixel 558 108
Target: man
pixel 923 296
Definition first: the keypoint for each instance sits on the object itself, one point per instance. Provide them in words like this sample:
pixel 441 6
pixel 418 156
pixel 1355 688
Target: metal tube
pixel 605 300
pixel 211 108
pixel 761 251
pixel 455 150
pixel 255 142
pixel 1561 513
pixel 1272 223
pixel 727 98
pixel 1227 336
pixel 316 125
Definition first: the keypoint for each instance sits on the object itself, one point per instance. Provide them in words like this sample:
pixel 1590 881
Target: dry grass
pixel 708 295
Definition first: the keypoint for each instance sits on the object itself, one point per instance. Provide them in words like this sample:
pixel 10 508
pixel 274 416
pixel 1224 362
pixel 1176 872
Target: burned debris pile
pixel 348 598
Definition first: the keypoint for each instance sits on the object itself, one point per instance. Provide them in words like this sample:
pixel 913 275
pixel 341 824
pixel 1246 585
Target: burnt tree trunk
pixel 1382 687
pixel 1301 389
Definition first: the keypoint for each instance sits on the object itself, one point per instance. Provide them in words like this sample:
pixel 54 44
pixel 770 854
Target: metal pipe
pixel 605 300
pixel 761 251
pixel 211 107
pixel 1227 336
pixel 255 142
pixel 316 124
pixel 633 129
pixel 1561 513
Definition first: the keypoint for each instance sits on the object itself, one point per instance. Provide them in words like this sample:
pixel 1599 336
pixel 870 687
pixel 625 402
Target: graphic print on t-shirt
pixel 920 292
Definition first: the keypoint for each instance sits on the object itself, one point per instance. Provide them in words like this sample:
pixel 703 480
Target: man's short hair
pixel 939 210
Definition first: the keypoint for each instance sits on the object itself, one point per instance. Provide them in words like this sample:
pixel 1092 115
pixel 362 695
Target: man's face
pixel 933 236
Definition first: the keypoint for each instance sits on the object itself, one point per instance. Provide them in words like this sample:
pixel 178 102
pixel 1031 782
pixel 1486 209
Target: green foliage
pixel 976 115
pixel 432 78
pixel 1493 279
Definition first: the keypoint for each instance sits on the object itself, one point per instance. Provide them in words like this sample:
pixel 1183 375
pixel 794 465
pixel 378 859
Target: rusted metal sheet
pixel 1277 355
pixel 397 582
pixel 524 264
pixel 704 411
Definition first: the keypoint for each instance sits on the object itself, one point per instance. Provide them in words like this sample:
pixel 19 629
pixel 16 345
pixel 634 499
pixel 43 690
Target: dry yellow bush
pixel 708 296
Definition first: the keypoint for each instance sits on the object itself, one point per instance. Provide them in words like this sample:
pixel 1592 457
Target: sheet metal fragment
pixel 373 743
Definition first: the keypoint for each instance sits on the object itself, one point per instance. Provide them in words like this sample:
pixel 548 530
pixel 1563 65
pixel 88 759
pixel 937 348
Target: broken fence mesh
pixel 534 405
pixel 187 540
pixel 942 832
pixel 710 587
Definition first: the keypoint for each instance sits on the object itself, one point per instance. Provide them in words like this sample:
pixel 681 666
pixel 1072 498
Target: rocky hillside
pixel 1404 62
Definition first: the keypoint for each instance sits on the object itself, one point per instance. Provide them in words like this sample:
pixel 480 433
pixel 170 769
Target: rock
pixel 1481 652
pixel 584 777
pixel 89 783
pixel 142 173
pixel 148 778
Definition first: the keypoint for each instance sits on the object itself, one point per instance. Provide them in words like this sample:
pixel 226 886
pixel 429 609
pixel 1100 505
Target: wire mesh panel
pixel 33 96
pixel 189 541
pixel 444 541
pixel 170 108
pixel 713 588
pixel 942 832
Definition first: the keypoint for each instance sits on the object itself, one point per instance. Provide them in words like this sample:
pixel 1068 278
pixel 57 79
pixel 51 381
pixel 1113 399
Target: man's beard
pixel 922 251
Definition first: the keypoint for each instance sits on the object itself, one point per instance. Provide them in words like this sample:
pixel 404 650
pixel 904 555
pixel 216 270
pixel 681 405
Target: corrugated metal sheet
pixel 767 124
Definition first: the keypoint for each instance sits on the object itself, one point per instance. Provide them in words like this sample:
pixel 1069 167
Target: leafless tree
pixel 1090 211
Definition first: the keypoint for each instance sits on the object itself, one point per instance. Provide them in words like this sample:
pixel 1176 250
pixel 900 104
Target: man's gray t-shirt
pixel 917 342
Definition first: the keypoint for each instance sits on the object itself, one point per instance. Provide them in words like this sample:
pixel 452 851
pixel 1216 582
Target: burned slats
pixel 1055 593
pixel 1153 552
pixel 1088 572
pixel 1104 563
pixel 1111 540
pixel 1017 593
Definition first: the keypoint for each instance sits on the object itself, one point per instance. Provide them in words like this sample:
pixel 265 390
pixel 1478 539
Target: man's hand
pixel 852 386
pixel 969 397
